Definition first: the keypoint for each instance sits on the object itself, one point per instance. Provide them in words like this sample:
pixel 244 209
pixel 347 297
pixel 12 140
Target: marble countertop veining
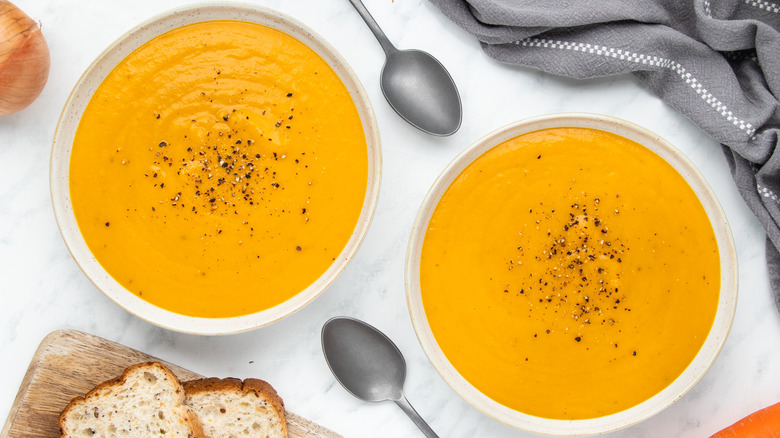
pixel 42 288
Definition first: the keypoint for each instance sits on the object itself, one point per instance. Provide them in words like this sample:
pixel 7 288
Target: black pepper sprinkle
pixel 578 339
pixel 573 243
pixel 108 223
pixel 298 248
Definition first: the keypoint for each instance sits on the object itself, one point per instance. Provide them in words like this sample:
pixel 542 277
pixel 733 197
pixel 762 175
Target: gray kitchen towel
pixel 715 61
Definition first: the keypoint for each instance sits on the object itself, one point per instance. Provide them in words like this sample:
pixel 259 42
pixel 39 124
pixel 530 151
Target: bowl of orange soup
pixel 571 274
pixel 216 168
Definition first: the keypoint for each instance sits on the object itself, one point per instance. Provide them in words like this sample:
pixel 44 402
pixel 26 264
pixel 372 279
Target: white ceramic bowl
pixel 77 102
pixel 692 374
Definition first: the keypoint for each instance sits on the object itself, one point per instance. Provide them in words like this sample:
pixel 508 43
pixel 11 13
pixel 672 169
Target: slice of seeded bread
pixel 230 408
pixel 146 401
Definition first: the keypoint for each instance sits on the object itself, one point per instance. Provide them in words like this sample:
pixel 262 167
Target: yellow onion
pixel 24 59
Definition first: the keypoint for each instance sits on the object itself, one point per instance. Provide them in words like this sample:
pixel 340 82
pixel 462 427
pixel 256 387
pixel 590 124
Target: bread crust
pixel 191 419
pixel 259 388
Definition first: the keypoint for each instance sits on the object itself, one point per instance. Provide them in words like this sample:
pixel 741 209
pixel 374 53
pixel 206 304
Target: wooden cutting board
pixel 70 363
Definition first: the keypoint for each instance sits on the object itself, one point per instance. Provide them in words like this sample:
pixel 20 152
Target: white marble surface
pixel 42 289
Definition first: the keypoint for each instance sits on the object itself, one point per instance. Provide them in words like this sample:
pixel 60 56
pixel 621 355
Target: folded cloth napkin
pixel 715 61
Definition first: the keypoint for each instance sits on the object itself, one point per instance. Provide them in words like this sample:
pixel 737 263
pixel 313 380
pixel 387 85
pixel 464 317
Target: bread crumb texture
pixel 146 401
pixel 231 408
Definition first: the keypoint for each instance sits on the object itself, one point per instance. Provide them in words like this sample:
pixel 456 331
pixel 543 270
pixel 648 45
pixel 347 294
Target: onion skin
pixel 24 59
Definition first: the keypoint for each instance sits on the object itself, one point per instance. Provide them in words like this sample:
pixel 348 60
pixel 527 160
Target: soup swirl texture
pixel 219 169
pixel 569 273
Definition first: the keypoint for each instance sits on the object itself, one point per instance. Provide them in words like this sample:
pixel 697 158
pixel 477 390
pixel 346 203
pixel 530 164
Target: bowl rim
pixel 96 73
pixel 693 373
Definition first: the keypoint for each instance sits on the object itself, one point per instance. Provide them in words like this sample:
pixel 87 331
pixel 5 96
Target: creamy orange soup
pixel 570 273
pixel 219 169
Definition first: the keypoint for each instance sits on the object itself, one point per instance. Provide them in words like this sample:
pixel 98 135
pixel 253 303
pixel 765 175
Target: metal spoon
pixel 368 364
pixel 416 85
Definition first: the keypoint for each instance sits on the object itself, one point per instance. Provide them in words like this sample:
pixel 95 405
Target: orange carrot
pixel 760 424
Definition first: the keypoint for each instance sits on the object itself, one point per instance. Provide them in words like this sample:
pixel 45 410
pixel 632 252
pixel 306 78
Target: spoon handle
pixel 387 46
pixel 403 403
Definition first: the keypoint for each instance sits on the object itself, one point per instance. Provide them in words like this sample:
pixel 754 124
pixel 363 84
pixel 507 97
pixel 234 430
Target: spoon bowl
pixel 363 360
pixel 422 92
pixel 368 364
